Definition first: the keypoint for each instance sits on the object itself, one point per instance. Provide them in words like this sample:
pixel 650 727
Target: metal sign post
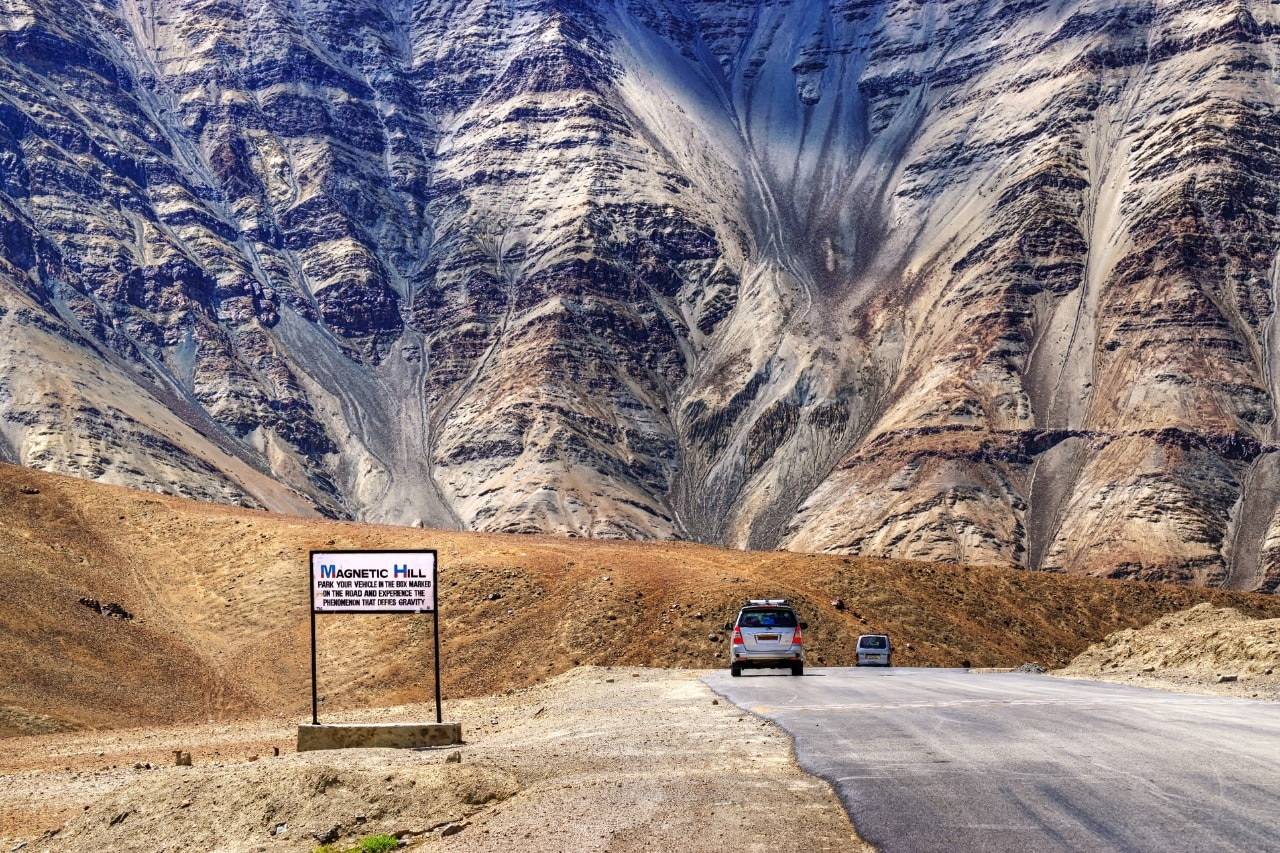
pixel 373 582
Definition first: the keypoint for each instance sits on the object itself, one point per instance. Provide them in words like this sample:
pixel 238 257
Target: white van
pixel 874 650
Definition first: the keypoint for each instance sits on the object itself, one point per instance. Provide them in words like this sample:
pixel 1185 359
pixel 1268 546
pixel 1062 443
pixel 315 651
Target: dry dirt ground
pixel 1204 649
pixel 220 631
pixel 598 758
pixel 134 624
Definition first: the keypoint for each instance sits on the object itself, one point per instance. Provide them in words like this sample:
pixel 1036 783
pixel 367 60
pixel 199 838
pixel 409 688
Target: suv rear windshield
pixel 767 619
pixel 873 642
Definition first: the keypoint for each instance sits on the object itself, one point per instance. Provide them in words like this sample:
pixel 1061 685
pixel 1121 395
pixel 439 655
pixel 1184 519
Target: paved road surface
pixel 945 760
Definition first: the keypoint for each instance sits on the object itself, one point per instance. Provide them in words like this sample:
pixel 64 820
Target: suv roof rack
pixel 766 601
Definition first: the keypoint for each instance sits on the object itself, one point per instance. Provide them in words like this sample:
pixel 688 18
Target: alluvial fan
pixel 964 280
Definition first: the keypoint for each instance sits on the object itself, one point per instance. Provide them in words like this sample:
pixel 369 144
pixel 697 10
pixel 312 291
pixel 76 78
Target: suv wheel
pixel 797 669
pixel 735 670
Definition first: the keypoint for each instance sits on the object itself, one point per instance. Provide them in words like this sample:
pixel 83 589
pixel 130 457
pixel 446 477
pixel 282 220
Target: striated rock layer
pixel 966 280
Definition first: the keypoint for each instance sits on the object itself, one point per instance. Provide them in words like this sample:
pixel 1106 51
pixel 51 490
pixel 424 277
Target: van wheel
pixel 735 670
pixel 797 669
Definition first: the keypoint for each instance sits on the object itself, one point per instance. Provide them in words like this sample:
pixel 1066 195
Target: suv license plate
pixel 768 637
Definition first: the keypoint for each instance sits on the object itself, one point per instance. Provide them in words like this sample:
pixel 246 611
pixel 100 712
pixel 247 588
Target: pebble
pixel 1223 679
pixel 454 829
pixel 327 836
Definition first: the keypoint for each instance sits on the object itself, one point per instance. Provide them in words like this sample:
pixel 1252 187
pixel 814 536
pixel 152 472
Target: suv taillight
pixel 797 639
pixel 737 635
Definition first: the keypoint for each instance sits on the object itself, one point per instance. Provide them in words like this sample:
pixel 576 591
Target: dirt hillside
pixel 219 627
pixel 1204 649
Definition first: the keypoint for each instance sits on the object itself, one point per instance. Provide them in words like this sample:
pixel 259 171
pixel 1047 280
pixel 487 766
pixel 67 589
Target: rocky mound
pixel 1202 648
pixel 296 802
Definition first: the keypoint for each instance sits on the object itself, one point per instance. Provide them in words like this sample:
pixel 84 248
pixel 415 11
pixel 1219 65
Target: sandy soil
pixel 596 759
pixel 1204 649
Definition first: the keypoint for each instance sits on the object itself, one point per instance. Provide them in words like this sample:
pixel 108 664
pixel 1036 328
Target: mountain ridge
pixel 971 281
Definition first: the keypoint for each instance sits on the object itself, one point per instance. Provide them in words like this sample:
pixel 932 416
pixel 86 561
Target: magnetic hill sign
pixel 373 581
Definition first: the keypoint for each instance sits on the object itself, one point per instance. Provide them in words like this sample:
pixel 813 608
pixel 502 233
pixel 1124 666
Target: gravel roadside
pixel 596 759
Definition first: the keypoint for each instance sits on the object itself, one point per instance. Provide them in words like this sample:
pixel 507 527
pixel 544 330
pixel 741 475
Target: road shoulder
pixel 597 759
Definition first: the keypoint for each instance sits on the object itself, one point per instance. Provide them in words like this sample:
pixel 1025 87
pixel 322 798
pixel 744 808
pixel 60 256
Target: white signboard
pixel 373 581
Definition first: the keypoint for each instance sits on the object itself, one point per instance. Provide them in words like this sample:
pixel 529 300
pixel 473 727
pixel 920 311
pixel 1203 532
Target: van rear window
pixel 873 642
pixel 767 619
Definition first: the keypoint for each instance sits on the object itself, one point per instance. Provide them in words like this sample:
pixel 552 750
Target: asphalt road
pixel 945 760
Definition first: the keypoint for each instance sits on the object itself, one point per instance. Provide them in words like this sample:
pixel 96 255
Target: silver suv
pixel 766 635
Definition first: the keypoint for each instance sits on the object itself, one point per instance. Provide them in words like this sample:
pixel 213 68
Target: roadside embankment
pixel 1203 649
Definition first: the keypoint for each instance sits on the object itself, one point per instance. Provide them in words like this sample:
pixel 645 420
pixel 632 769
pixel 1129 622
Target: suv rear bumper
pixel 772 663
pixel 768 660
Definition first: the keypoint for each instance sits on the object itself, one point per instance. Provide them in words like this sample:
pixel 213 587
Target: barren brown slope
pixel 220 606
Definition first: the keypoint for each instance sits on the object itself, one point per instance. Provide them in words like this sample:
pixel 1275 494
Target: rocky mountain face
pixel 990 281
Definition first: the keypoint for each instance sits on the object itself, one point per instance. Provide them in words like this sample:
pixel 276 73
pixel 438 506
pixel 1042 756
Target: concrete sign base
pixel 378 736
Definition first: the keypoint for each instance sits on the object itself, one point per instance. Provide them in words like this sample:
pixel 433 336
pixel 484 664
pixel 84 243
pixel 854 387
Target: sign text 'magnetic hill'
pixel 373 581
